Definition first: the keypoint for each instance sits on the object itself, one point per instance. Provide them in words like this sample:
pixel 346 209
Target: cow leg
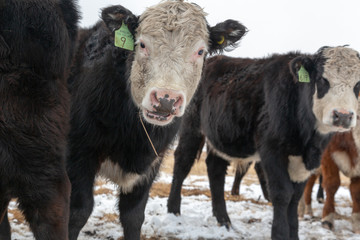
pixel 48 216
pixel 355 195
pixel 280 191
pixel 216 168
pixel 239 174
pixel 81 198
pixel 189 146
pixel 293 208
pixel 320 192
pixel 262 179
pixel 307 194
pixel 5 233
pixel 132 207
pixel 331 183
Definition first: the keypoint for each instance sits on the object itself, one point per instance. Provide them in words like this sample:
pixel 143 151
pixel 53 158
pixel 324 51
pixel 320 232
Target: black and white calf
pixel 114 90
pixel 252 109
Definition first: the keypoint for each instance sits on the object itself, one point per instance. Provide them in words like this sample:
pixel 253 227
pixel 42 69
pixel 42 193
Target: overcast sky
pixel 275 26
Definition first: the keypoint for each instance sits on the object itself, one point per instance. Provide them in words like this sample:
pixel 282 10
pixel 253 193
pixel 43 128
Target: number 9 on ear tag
pixel 124 38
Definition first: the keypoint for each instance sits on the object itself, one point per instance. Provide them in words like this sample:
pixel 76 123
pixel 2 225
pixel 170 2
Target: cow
pixel 37 41
pixel 280 109
pixel 127 105
pixel 341 155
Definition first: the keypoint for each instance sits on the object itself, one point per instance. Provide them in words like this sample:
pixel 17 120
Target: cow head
pixel 171 42
pixel 336 75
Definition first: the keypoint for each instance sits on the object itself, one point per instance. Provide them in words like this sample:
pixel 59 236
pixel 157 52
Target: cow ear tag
pixel 124 38
pixel 222 40
pixel 303 75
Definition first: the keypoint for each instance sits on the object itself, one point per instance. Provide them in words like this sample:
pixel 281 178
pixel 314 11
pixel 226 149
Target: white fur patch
pixel 240 163
pixel 342 160
pixel 125 181
pixel 297 170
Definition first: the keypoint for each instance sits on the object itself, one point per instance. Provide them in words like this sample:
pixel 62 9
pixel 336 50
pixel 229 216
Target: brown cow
pixel 342 154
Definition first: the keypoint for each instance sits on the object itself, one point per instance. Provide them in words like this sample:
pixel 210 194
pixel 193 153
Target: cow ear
pixel 114 16
pixel 225 35
pixel 302 67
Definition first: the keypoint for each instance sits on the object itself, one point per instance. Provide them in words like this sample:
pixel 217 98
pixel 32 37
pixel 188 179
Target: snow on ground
pixel 251 219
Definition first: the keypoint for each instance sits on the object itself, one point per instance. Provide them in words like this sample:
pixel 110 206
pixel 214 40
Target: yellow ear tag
pixel 222 40
pixel 303 75
pixel 124 38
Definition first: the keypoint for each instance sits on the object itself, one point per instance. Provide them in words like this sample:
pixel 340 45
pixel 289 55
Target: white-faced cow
pixel 37 39
pixel 252 109
pixel 119 96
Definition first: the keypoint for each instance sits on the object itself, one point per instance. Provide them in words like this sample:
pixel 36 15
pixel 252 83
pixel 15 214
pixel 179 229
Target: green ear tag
pixel 124 38
pixel 303 75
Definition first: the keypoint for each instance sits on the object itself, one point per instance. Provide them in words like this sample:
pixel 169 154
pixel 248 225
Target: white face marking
pixel 342 70
pixel 169 38
pixel 297 170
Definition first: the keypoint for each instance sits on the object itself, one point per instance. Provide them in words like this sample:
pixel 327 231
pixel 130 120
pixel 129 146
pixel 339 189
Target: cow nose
pixel 166 101
pixel 342 118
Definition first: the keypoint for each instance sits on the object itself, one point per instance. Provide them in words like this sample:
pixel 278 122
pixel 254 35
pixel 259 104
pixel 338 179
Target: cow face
pixel 336 71
pixel 171 42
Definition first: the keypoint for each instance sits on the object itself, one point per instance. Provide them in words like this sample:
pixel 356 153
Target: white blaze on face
pixel 342 71
pixel 172 40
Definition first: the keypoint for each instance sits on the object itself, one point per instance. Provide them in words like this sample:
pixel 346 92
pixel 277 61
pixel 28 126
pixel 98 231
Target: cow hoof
pixel 226 224
pixel 327 225
pixel 235 193
pixel 320 200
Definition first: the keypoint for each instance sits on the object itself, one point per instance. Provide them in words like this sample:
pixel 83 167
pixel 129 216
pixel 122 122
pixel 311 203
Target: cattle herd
pixel 109 100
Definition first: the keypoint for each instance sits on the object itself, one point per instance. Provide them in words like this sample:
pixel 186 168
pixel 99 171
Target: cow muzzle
pixel 343 118
pixel 162 105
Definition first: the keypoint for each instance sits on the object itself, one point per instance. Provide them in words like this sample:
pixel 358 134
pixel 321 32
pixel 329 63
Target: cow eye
pixel 323 87
pixel 201 52
pixel 357 89
pixel 142 45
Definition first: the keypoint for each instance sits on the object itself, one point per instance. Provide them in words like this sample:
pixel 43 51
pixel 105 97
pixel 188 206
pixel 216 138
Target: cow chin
pixel 324 128
pixel 157 118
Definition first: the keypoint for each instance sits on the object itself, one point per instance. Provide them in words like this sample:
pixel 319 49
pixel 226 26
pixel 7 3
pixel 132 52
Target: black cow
pixel 37 39
pixel 119 96
pixel 278 109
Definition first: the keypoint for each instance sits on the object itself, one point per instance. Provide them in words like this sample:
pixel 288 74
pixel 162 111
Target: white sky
pixel 275 26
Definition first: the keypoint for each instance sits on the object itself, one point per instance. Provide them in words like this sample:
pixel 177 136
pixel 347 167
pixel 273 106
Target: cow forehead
pixel 342 65
pixel 185 20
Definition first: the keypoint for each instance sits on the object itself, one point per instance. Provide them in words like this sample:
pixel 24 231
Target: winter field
pixel 250 214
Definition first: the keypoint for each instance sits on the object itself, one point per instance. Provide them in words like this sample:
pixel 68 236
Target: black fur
pixel 36 45
pixel 105 124
pixel 245 106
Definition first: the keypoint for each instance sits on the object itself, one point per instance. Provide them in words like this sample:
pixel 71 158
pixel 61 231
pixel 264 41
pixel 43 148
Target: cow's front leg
pixel 355 195
pixel 132 208
pixel 5 233
pixel 280 191
pixel 216 168
pixel 292 210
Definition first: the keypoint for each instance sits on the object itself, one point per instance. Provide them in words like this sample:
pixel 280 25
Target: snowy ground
pixel 251 217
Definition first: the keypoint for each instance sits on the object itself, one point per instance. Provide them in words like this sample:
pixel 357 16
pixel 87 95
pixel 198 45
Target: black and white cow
pixel 37 41
pixel 252 109
pixel 115 91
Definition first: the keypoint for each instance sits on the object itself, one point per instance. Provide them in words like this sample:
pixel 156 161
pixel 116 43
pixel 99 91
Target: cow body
pixel 257 108
pixel 115 91
pixel 342 155
pixel 36 44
